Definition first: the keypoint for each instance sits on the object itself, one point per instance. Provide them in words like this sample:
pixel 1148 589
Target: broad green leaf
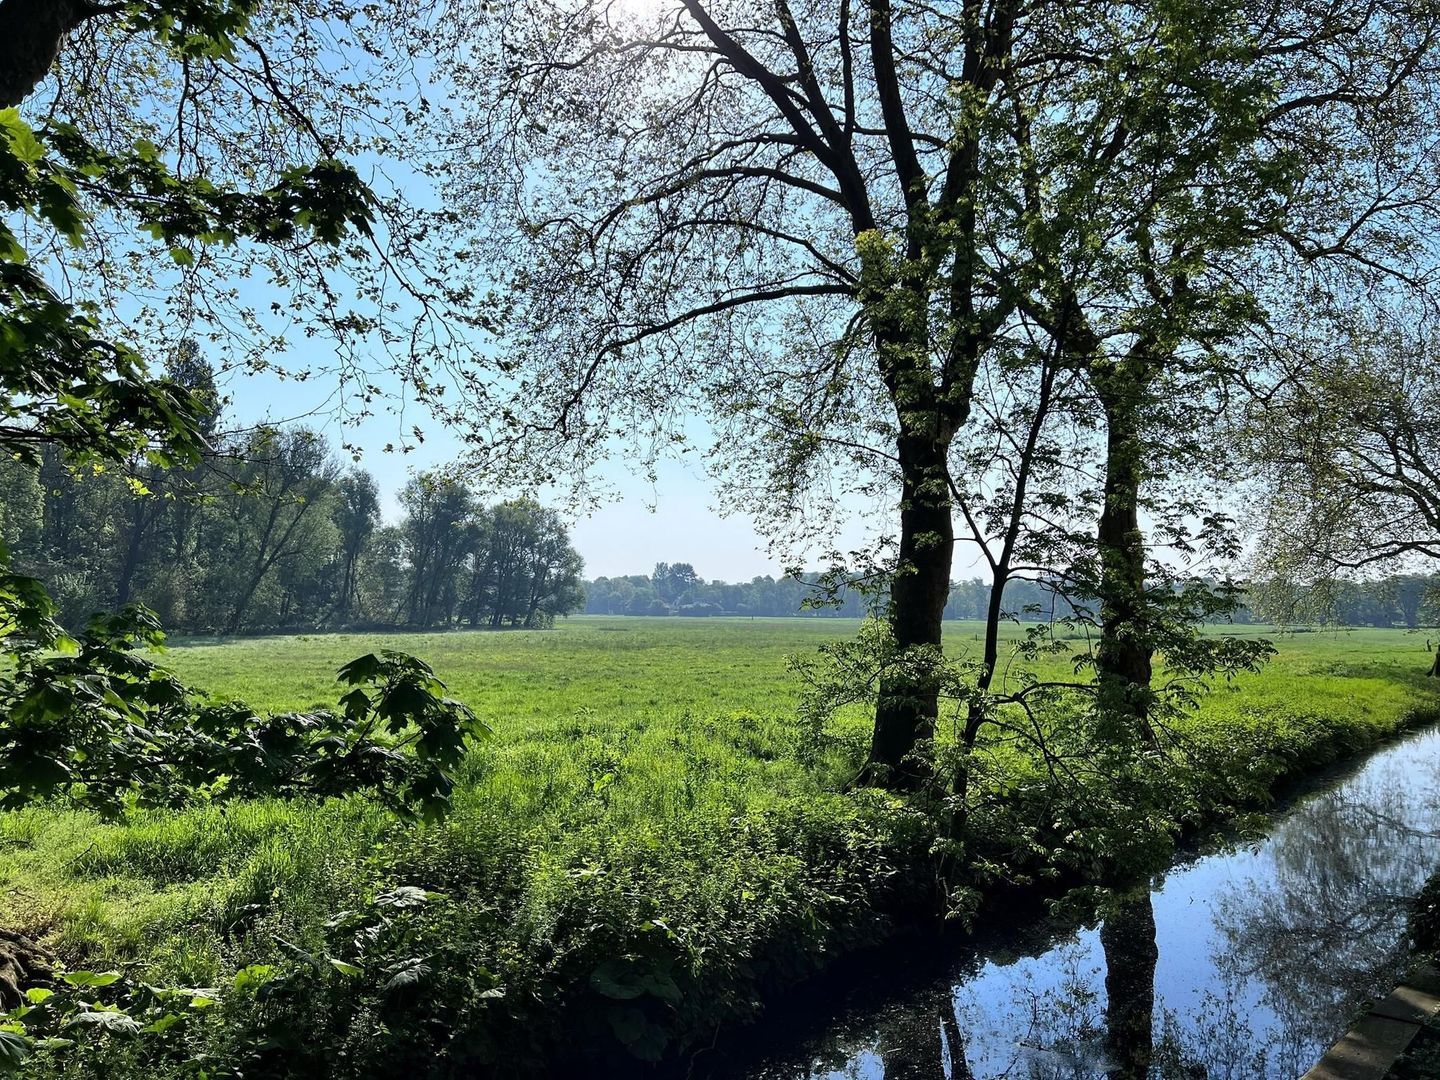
pixel 111 1020
pixel 91 978
pixel 23 143
pixel 253 975
pixel 14 1049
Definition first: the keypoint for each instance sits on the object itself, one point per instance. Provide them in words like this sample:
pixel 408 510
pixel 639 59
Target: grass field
pixel 641 803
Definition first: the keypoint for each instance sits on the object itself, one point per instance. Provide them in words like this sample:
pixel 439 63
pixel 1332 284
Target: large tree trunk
pixel 23 964
pixel 1124 658
pixel 31 33
pixel 908 701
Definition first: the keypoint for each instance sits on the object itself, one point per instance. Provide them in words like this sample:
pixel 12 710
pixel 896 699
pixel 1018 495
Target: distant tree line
pixel 676 589
pixel 1406 600
pixel 269 532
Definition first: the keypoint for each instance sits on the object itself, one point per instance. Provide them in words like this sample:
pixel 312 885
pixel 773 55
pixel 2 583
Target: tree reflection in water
pixel 1063 1031
pixel 1128 938
pixel 922 1041
pixel 1320 925
pixel 1269 952
pixel 1063 1034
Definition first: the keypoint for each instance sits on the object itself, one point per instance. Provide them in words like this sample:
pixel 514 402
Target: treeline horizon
pixel 269 532
pixel 1405 600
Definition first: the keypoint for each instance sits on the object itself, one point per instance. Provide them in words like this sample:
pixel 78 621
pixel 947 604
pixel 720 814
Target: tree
pixel 525 572
pixel 65 378
pixel 830 226
pixel 69 380
pixel 108 165
pixel 673 581
pixel 279 501
pixel 439 534
pixel 1351 438
pixel 357 515
pixel 793 239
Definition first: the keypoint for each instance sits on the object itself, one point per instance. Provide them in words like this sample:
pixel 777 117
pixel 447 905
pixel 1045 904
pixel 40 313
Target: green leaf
pixel 91 978
pixel 642 1038
pixel 300 954
pixel 618 978
pixel 344 968
pixel 110 1020
pixel 361 669
pixel 253 975
pixel 625 978
pixel 406 896
pixel 408 976
pixel 14 1049
pixel 23 143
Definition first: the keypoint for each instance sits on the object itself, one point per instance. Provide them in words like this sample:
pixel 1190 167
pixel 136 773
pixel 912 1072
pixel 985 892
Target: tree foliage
pixel 97 722
pixel 993 266
pixel 1351 441
pixel 267 532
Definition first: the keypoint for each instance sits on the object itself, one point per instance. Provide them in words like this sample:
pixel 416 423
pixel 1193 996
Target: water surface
pixel 1245 961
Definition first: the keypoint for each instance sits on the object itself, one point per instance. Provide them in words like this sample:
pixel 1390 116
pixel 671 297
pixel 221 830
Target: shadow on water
pixel 1244 961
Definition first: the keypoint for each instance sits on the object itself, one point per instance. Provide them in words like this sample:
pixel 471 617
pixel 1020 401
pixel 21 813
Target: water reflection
pixel 1319 925
pixel 1128 940
pixel 922 1041
pixel 1244 963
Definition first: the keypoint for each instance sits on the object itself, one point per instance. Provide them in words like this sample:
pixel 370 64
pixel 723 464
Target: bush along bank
pixel 345 943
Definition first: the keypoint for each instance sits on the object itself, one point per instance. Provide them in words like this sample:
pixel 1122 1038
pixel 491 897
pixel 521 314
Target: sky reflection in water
pixel 1243 963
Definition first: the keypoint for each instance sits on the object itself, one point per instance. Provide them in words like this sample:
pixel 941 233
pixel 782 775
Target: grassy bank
pixel 637 856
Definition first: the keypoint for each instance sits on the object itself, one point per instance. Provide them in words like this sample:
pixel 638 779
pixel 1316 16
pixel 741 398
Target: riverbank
pixel 619 876
pixel 1419 1049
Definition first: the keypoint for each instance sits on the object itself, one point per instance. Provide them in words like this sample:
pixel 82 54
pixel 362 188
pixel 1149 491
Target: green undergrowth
pixel 640 856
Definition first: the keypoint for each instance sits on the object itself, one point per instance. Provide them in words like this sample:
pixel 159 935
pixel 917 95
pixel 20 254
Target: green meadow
pixel 639 854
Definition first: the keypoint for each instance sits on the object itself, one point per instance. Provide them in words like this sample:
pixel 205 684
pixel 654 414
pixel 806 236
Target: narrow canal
pixel 1245 961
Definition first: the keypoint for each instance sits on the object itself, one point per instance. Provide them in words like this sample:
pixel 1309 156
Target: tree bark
pixel 31 33
pixel 23 964
pixel 1124 657
pixel 908 702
